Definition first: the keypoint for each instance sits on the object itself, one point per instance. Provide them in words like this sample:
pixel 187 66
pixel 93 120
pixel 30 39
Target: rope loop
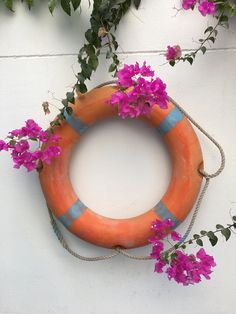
pixel 120 251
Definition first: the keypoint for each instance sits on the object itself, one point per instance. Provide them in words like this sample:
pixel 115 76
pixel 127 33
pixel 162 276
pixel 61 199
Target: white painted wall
pixel 127 176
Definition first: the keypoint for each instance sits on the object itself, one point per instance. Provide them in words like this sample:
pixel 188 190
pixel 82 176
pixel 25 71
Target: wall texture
pixel 120 168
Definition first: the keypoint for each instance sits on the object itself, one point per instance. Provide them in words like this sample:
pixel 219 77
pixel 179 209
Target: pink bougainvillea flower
pixel 188 4
pixel 145 91
pixel 207 7
pixel 188 269
pixel 159 266
pixel 3 146
pixel 43 136
pixel 22 151
pixel 55 138
pixel 175 236
pixel 51 152
pixel 162 228
pixel 173 52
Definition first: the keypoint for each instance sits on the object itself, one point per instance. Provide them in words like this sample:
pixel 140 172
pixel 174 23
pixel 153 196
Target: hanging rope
pixel 118 250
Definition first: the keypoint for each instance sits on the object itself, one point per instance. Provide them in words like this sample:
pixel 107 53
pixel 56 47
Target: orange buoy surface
pixel 181 194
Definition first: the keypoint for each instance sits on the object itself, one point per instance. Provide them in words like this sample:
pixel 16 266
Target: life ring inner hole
pixel 120 168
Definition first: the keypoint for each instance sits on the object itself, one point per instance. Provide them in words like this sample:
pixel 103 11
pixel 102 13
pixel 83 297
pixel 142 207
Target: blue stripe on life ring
pixel 170 121
pixel 78 125
pixel 162 211
pixel 72 213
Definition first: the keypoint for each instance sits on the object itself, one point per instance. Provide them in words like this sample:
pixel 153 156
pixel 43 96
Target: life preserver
pixel 181 194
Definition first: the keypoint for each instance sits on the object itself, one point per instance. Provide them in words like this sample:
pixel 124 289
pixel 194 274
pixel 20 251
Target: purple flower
pixel 22 153
pixel 173 52
pixel 144 93
pixel 15 133
pixel 51 152
pixel 159 266
pixel 55 138
pixel 188 269
pixel 162 228
pixel 207 7
pixel 3 146
pixel 21 146
pixel 175 236
pixel 157 248
pixel 188 4
pixel 185 269
pixel 43 136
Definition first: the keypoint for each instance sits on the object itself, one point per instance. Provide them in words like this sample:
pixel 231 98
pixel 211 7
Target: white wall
pixel 37 276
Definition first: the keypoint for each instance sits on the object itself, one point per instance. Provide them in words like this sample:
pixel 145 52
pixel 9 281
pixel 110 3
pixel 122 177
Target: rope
pixel 118 250
pixel 67 247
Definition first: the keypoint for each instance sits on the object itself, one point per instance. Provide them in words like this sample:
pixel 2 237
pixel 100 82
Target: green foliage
pixel 66 5
pixel 226 9
pixel 136 3
pixel 51 5
pixel 226 233
pixel 9 4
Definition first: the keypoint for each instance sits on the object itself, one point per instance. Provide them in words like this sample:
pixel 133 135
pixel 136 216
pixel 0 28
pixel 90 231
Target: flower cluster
pixel 20 142
pixel 182 267
pixel 144 91
pixel 205 7
pixel 173 52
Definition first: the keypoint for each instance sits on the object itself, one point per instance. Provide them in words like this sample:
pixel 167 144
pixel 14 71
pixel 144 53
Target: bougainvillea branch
pixel 222 11
pixel 178 265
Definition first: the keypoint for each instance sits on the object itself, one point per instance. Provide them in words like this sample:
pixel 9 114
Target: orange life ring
pixel 181 194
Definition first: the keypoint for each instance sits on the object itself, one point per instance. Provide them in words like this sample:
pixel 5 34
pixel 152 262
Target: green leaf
pixel 93 62
pixel 218 226
pixel 203 232
pixel 109 54
pixel 199 242
pixel 172 62
pixel 173 256
pixel 213 241
pixel 112 67
pixel 212 39
pixel 190 60
pixel 80 77
pixel 70 97
pixel 209 29
pixel 89 35
pixel 234 218
pixel 224 18
pixel 212 238
pixel 203 49
pixel 137 3
pixel 210 235
pixel 64 102
pixel 51 5
pixel 196 236
pixel 12 142
pixel 82 88
pixel 226 233
pixel 69 110
pixel 29 3
pixel 86 69
pixel 9 4
pixel 65 4
pixel 75 4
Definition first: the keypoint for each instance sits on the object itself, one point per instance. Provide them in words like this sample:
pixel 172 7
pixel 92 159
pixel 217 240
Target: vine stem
pixel 190 241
